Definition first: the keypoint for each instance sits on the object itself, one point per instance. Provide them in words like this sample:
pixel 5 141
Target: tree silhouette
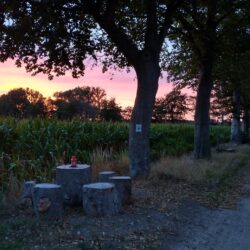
pixel 172 107
pixel 22 103
pixel 110 111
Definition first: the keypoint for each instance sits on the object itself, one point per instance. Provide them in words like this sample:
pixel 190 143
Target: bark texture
pixel 123 186
pixel 202 120
pixel 48 201
pixel 100 199
pixel 235 124
pixel 148 76
pixel 205 52
pixel 246 119
pixel 71 179
pixel 27 194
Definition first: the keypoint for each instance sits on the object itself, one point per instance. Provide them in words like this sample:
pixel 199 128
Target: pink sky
pixel 122 86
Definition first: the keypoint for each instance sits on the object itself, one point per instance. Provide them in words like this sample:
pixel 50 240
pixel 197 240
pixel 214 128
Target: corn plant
pixel 30 149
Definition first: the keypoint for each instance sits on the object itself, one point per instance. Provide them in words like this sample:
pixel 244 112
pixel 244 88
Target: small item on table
pixel 73 161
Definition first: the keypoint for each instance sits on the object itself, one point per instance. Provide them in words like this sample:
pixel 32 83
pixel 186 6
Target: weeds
pixel 105 160
pixel 203 172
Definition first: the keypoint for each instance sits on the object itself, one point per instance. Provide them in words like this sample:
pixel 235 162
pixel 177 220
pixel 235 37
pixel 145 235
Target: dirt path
pixel 211 229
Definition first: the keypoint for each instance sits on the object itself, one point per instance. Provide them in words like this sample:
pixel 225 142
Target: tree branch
pixel 231 10
pixel 190 37
pixel 194 14
pixel 168 19
pixel 121 40
pixel 151 30
pixel 110 10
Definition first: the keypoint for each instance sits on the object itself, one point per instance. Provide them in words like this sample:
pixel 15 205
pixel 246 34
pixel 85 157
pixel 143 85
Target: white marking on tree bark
pixel 138 128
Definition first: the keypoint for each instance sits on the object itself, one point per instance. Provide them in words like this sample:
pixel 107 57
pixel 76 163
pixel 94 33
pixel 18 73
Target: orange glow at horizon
pixel 122 87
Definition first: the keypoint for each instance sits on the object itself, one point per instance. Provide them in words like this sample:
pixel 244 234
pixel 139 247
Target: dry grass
pixel 104 160
pixel 208 172
pixel 121 164
pixel 13 192
pixel 100 161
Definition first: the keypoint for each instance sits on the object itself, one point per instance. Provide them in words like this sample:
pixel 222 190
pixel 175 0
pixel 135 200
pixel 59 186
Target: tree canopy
pixel 198 46
pixel 172 107
pixel 22 103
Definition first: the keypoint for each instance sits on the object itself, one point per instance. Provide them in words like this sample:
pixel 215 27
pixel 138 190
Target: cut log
pixel 27 194
pixel 100 199
pixel 48 201
pixel 104 176
pixel 123 186
pixel 72 179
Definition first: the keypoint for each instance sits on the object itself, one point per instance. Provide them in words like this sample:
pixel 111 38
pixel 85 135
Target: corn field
pixel 30 149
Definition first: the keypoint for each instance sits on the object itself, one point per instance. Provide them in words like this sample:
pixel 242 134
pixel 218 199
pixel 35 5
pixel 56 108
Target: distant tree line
pixel 91 103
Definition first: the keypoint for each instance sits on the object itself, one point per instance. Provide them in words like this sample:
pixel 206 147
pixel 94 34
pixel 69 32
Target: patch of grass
pixel 10 246
pixel 213 183
pixel 106 160
pixel 121 164
pixel 100 161
pixel 216 171
pixel 5 243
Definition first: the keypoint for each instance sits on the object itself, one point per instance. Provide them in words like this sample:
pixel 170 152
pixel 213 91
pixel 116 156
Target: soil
pixel 167 214
pixel 205 228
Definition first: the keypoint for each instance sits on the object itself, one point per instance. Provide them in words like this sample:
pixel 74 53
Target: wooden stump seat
pixel 123 186
pixel 104 175
pixel 100 199
pixel 48 201
pixel 27 194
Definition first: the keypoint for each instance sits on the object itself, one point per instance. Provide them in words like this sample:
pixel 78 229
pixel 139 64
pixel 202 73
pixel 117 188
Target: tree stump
pixel 123 186
pixel 100 199
pixel 48 201
pixel 72 179
pixel 27 194
pixel 104 176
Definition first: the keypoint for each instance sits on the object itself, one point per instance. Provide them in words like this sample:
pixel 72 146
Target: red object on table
pixel 73 161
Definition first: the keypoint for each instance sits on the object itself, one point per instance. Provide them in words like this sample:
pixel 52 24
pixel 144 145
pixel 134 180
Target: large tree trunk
pixel 205 52
pixel 147 75
pixel 235 124
pixel 246 119
pixel 202 121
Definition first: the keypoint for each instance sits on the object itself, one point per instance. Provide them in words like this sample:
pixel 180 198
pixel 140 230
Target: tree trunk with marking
pixel 147 75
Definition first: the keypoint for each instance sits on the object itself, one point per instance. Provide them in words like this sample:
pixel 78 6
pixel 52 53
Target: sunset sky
pixel 122 86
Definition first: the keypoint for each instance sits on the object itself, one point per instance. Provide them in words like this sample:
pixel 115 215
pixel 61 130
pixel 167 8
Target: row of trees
pixel 205 36
pixel 91 103
pixel 87 103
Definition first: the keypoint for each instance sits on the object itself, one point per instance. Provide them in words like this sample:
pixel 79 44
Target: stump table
pixel 123 186
pixel 100 199
pixel 48 201
pixel 71 179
